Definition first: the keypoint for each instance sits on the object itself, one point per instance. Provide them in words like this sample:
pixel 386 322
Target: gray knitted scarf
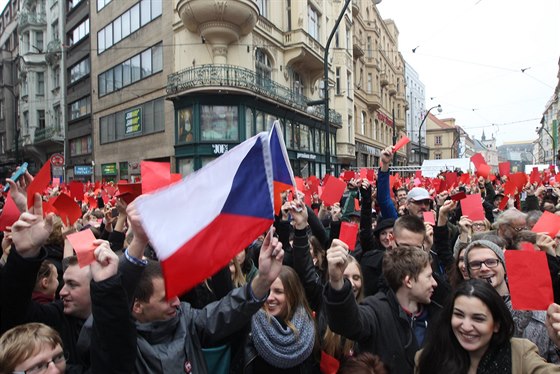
pixel 280 346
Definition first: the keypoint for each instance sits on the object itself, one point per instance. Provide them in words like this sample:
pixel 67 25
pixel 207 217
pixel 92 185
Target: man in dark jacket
pixel 391 324
pixel 171 334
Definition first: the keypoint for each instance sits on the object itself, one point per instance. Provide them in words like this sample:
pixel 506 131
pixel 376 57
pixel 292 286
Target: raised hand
pixel 337 258
pixel 106 262
pixel 31 230
pixel 18 191
pixel 270 264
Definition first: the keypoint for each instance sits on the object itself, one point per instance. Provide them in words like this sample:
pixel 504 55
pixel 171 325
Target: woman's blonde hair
pixel 23 341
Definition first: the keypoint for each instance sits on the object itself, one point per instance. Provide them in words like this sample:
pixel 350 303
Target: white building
pixel 415 95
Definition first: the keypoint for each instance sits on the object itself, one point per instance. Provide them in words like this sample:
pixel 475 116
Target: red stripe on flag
pixel 209 251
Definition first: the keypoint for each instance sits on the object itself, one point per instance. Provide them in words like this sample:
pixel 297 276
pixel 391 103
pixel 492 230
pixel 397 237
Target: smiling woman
pixel 475 335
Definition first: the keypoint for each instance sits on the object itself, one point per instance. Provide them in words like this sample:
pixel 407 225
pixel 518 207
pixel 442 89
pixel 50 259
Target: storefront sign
pixel 109 169
pixel 220 148
pixel 83 170
pixel 133 121
pixel 306 156
pixel 364 148
pixel 384 118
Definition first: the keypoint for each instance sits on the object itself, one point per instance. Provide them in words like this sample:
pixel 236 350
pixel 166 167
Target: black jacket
pixel 379 325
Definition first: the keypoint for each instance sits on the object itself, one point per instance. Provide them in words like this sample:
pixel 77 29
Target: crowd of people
pixel 411 297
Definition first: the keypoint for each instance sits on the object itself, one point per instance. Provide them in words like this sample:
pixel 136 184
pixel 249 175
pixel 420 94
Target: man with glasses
pixel 509 224
pixel 484 259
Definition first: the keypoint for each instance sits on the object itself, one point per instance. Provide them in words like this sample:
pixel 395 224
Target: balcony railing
pixel 48 133
pixel 26 18
pixel 242 78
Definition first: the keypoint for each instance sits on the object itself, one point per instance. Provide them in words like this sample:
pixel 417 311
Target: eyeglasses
pixel 490 263
pixel 518 229
pixel 421 202
pixel 478 225
pixel 41 368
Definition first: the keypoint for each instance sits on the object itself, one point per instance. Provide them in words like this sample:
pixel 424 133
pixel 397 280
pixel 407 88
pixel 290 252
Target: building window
pixel 54 30
pixel 313 20
pixel 56 77
pixel 369 83
pixel 185 131
pixel 79 70
pixel 81 146
pixel 40 83
pixel 437 156
pixel 80 108
pixel 297 84
pixel 218 123
pixel 79 32
pixel 143 65
pixel 41 119
pixel 263 7
pixel 149 119
pixel 369 48
pixel 102 4
pixel 348 83
pixel 26 120
pixel 263 67
pixel 71 4
pixel 437 140
pixel 338 85
pixel 57 117
pixel 39 47
pixel 348 33
pixel 363 123
pixel 133 19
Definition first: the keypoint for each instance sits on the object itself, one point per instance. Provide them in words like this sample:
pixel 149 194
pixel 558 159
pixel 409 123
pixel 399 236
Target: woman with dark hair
pixel 474 334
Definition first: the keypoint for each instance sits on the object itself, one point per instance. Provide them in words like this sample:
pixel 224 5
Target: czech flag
pixel 198 225
pixel 282 173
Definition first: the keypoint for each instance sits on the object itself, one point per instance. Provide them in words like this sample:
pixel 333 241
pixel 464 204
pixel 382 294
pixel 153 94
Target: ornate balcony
pixel 357 47
pixel 219 21
pixel 47 134
pixel 54 49
pixel 301 49
pixel 220 77
pixel 26 18
pixel 392 89
pixel 383 79
pixel 373 101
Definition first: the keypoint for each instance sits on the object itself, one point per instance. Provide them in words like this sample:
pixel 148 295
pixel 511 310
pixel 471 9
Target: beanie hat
pixel 484 244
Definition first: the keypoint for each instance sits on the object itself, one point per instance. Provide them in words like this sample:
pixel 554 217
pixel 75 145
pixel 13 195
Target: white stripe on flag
pixel 172 216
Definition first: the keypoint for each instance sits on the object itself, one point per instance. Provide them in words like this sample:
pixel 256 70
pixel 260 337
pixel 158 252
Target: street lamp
pixel 325 100
pixel 420 131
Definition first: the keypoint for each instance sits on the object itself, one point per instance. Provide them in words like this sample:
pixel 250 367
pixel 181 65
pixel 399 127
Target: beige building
pixel 379 85
pixel 133 55
pixel 442 138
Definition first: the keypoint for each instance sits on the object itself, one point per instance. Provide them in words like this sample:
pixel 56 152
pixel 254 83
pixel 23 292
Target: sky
pixel 470 55
pixel 491 64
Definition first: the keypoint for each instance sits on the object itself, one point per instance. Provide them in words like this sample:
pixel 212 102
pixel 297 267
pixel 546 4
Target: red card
pixel 348 234
pixel 458 196
pixel 357 205
pixel 519 179
pixel 76 190
pixel 471 206
pixel 129 191
pixel 92 202
pixel 483 170
pixel 504 168
pixel 510 188
pixel 10 213
pixel 332 191
pixel 465 178
pixel 300 185
pixel 526 246
pixel 110 190
pixel 347 175
pixel 40 183
pixel 329 364
pixel 529 281
pixel 418 174
pixel 548 223
pixel 82 242
pixel 451 179
pixel 68 209
pixel 401 143
pixel 478 159
pixel 155 175
pixel 429 217
pixel 363 173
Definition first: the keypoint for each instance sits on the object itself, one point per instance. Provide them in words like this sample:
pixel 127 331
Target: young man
pixel 170 333
pixel 392 323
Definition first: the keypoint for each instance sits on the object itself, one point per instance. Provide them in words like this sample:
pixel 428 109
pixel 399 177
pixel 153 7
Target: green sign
pixel 109 169
pixel 133 121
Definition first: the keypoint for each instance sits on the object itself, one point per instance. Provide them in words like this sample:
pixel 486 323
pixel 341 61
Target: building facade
pixel 133 53
pixel 416 97
pixel 442 138
pixel 466 144
pixel 379 87
pixel 10 155
pixel 42 99
pixel 79 75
